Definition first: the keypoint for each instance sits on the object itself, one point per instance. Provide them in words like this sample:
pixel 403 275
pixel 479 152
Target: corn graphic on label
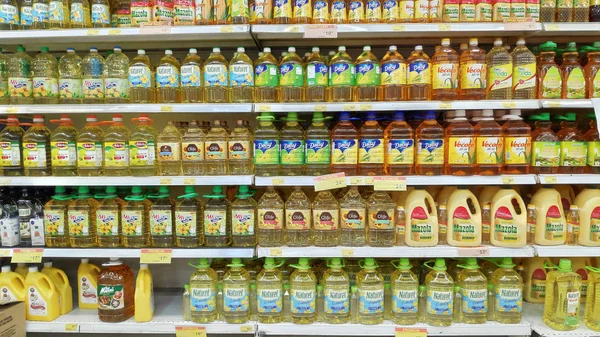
pixel 345 151
pixel 508 300
pixel 303 301
pixel 445 76
pixel 318 151
pixel 266 75
pixel 474 301
pixel 517 150
pixel 461 150
pixel 338 11
pixel 490 150
pixel 472 75
pixel 79 223
pixel 185 223
pixel 393 73
pixel 107 223
pixel 430 152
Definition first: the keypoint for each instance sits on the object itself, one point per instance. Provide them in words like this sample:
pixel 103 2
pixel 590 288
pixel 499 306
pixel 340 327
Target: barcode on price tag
pixel 473 251
pixel 320 32
pixel 156 255
pixel 389 183
pixel 330 181
pixel 190 331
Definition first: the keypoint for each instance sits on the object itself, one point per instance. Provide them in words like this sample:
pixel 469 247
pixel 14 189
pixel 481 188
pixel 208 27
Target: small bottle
pixel 419 76
pixel 443 223
pixel 573 225
pixel 531 223
pixel 485 224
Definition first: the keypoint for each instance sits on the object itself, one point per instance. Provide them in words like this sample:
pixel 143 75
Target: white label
pixel 9 229
pixel 36 305
pixel 37 232
pixel 87 294
pixel 6 296
pixel 572 303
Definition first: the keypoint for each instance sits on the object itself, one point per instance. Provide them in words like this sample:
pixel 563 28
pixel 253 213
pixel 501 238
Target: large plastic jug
pixel 551 225
pixel 87 285
pixel 12 286
pixel 508 223
pixel 421 219
pixel 42 299
pixel 534 279
pixel 144 295
pixel 444 194
pixel 567 195
pixel 61 282
pixel 464 219
pixel 487 194
pixel 434 190
pixel 578 265
pixel 588 202
pixel 22 269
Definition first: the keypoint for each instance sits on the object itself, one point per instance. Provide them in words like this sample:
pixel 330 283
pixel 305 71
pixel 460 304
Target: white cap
pixel 168 52
pixel 460 113
pixel 307 54
pixel 342 48
pixel 521 42
pixel 497 42
pixel 260 53
pixel 515 112
pixel 418 47
pixel 6 268
pixel 114 259
pixel 48 264
pixel 33 269
pixel 93 50
pixel 267 50
pixel 315 49
pixel 393 48
pixel 216 50
pixel 117 118
pixel 367 48
pixel 91 118
pixel 291 49
pixel 143 266
pixel 38 119
pixel 117 49
pixel 473 41
pixel 141 52
pixel 445 42
pixel 85 260
pixel 241 50
pixel 193 51
pixel 70 50
pixel 487 113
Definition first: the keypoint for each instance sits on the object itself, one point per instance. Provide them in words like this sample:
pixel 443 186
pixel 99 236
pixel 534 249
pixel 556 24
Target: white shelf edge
pixel 126 108
pixel 566 103
pixel 566 251
pixel 127 181
pixel 135 252
pixel 588 179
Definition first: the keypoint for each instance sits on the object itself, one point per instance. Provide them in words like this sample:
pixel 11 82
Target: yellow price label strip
pixel 356 181
pixel 473 251
pixel 264 108
pixel 349 107
pixel 445 105
pixel 190 331
pixel 509 105
pixel 293 29
pixel 278 181
pixel 368 180
pixel 443 27
pixel 246 328
pixel 166 108
pixel 114 32
pixel 166 181
pixel 27 255
pixel 366 107
pixel 398 28
pixel 93 32
pixel 5 181
pixel 508 180
pixel 330 181
pixel 550 180
pixel 189 181
pixel 275 252
pixel 5 252
pixel 12 110
pixel 155 256
pixel 551 27
pixel 389 183
pixel 320 107
pixel 347 252
pixel 72 327
pixel 552 104
pixel 411 332
pixel 226 29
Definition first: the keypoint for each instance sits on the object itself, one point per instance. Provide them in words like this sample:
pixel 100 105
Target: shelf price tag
pixel 445 105
pixel 27 255
pixel 389 183
pixel 72 327
pixel 166 108
pixel 411 332
pixel 93 32
pixel 5 252
pixel 349 107
pixel 264 108
pixel 553 104
pixel 473 251
pixel 275 252
pixel 156 255
pixel 551 27
pixel 550 180
pixel 278 181
pixel 366 107
pixel 509 105
pixel 330 181
pixel 246 328
pixel 368 180
pixel 356 181
pixel 347 252
pixel 114 32
pixel 189 181
pixel 12 110
pixel 226 29
pixel 166 181
pixel 151 30
pixel 292 29
pixel 443 27
pixel 320 32
pixel 320 107
pixel 190 331
pixel 398 28
pixel 508 180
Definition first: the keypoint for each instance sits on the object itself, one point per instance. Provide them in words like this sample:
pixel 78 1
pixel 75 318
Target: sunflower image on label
pixel 555 229
pixel 266 75
pixel 524 76
pixel 317 74
pixel 79 223
pixel 545 154
pixel 370 151
pixel 393 72
pixel 400 152
pixel 111 297
pixel 430 152
pixel 420 227
pixel 382 218
pixel 215 75
pixel 235 298
pixel 161 223
pixel 439 302
pixel 190 75
pixel 266 152
pixel 500 77
pixel 140 77
pixel 473 75
pixel 352 218
pixel 167 77
pixel 318 151
pixel 107 223
pixel 370 301
pixel 445 76
pixel 240 75
pixel 373 12
pixel 215 223
pixel 243 222
pixel 203 299
pixel 270 218
pixel 338 11
pixel 238 149
pixel 490 150
pixel 337 301
pixel 269 300
pixel 474 301
pixel 505 229
pixel 576 84
pixel 461 150
pixel 517 150
pixel 303 301
pixel 405 301
pixel 320 11
pixel 463 228
pixel 291 75
pixel 345 151
pixel 192 151
pixel 326 219
pixel 508 300
pixel 54 223
pixel 573 153
pixel 297 219
pixel 419 72
pixel 45 87
pixel 356 12
pixel 185 223
pixel 342 74
pixel 132 223
pixel 292 152
pixel 595 225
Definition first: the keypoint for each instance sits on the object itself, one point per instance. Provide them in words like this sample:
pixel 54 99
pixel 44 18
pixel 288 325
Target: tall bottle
pixel 80 14
pixel 108 218
pixel 203 290
pixel 460 146
pixel 405 294
pixel 371 147
pixel 393 75
pixel 591 318
pixel 141 79
pixel 440 295
pixel 473 72
pixel 445 73
pixel 418 76
pixel 344 146
pixel 215 150
pixel 191 78
pixel 31 219
pixel 192 150
pixel 574 82
pixel 353 215
pixel 266 146
pixel 270 219
pixel 216 78
pixel 241 77
pixel 161 218
pixel 240 150
pixel 282 12
pixel 339 11
pixel 303 286
pixel 593 145
pixel 90 159
pixel 545 156
pixel 100 13
pixel 243 219
pixel 490 145
pixel 169 151
pixel 399 147
pixel 58 14
pixel 517 144
pixel 318 146
pixel 292 146
pixel 573 149
pixel 44 70
pixel 473 286
pixel 317 76
pixel 82 213
pixel 26 14
pixel 430 146
pixel 10 15
pixel 381 212
pixel 63 148
pixel 298 219
pixel 326 217
pixel 36 149
pixel 135 220
pixel 11 148
pixel 236 293
pixel 56 219
pixel 20 83
pixel 217 221
pixel 142 147
pixel 368 71
pixel 188 212
pixel 92 67
pixel 548 72
pixel 499 72
pixel 336 289
pixel 4 94
pixel 266 77
pixel 524 77
pixel 291 77
pixel 40 14
pixel 116 70
pixel 342 77
pixel 370 291
pixel 70 78
pixel 508 293
pixel 167 79
pixel 563 296
pixel 269 292
pixel 116 148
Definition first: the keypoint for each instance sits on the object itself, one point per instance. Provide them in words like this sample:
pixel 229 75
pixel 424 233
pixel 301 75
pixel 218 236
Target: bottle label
pixel 7 296
pixel 370 151
pixel 420 226
pixel 538 287
pixel 26 15
pixel 132 222
pixel 292 152
pixel 518 150
pixel 439 302
pixel 552 83
pixel 445 76
pixel 45 87
pixel 242 222
pixel 163 11
pixel 40 12
pixel 338 11
pixel 595 225
pixel 185 223
pixel 593 153
pixel 302 9
pixel 239 149
pixel 240 75
pixel 270 218
pixel 269 300
pixel 326 220
pixel 54 223
pixel 297 219
pixel 555 225
pixel 501 11
pixel 573 153
pixel 215 150
pixel 407 12
pixel 116 88
pixel 291 75
pixel 430 152
pixel 451 11
pixel 546 154
pixel 368 74
pixel 36 303
pixel 79 223
pixel 467 11
pixel 89 154
pixel 353 218
pixel 283 9
pixel 564 4
pixel 100 14
pixel 373 12
pixel 474 301
pixel 116 154
pixel 123 17
pixel 202 299
pixel 505 228
pixel 382 218
pixel 215 75
pixel 422 10
pixel 490 150
pixel 170 152
pixel 400 152
pixel 500 77
pixel 318 151
pixel 192 151
pixel 204 10
pixel 107 222
pixel 303 301
pixel 56 11
pixel 4 88
pixel 405 301
pixel 345 151
pixel 239 8
pixel 190 75
pixel 357 11
pixel 483 12
pixel 161 222
pixel 9 14
pixel 92 88
pixel 370 301
pixel 184 13
pixel 316 75
pixel 576 84
pixel 342 74
pixel 140 77
pixel 508 300
pixel 70 88
pixel 63 154
pixel 393 73
pixel 11 154
pixel 461 150
pixel 524 76
pixel 111 297
pixel 321 11
pixel 462 226
pixel 266 152
pixel 337 301
pixel 266 75
pixel 235 298
pixel 419 73
pixel 572 317
pixel 390 10
pixel 472 75
pixel 167 76
pixel 517 10
pixel 20 87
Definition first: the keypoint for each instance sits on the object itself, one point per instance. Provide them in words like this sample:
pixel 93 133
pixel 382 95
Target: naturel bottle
pixel 326 217
pixel 370 292
pixel 303 293
pixel 266 79
pixel 141 79
pixel 135 220
pixel 169 151
pixel 405 294
pixel 336 290
pixel 499 72
pixel 90 159
pixel 80 14
pixel 440 294
pixel 203 293
pixel 10 15
pixel 116 148
pixel 292 146
pixel 473 285
pixel 188 212
pixel 524 77
pixel 508 293
pixel 318 146
pixel 298 219
pixel 269 292
pixel 56 219
pixel 236 293
pixel 270 219
pixel 241 77
pixel 70 81
pixel 116 70
pixel 19 77
pixel 574 83
pixel 216 78
pixel 192 150
pixel 82 215
pixel 217 221
pixel 167 79
pixel 243 219
pixel 142 147
pixel 161 218
pixel 108 218
pixel 563 296
pixel 240 149
pixel 191 78
pixel 36 149
pixel 44 70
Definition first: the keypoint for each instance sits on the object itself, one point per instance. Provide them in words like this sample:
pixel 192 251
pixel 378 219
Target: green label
pixel 266 75
pixel 552 83
pixel 240 8
pixel 316 75
pixel 593 153
pixel 368 74
pixel 573 153
pixel 576 84
pixel 291 75
pixel 111 297
pixel 545 154
pixel 292 152
pixel 318 151
pixel 342 74
pixel 266 152
pixel 89 154
pixel 141 153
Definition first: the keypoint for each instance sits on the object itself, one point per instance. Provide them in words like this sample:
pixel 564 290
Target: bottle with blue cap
pixel 430 146
pixel 399 146
pixel 70 79
pixel 344 140
pixel 167 79
pixel 370 147
pixel 92 67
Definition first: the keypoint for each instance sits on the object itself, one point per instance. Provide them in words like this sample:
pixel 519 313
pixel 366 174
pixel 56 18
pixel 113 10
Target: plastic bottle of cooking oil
pixel 90 160
pixel 508 293
pixel 353 213
pixel 344 151
pixel 317 76
pixel 490 145
pixel 236 293
pixel 292 146
pixel 44 70
pixel 499 72
pixel 418 76
pixel 216 78
pixel 545 145
pixel 473 285
pixel 116 148
pixel 188 212
pixel 266 146
pixel 561 306
pixel 58 16
pixel 298 219
pixel 167 79
pixel 80 14
pixel 239 149
pixel 116 81
pixel 303 286
pixel 215 149
pixel 548 72
pixel 336 289
pixel 381 212
pixel 338 9
pixel 56 219
pixel 368 72
pixel 135 220
pixel 399 146
pixel 524 77
pixel 241 77
pixel 191 78
pixel 19 78
pixel 217 220
pixel 270 219
pixel 564 11
pixel 356 11
pixel 574 82
pixel 92 67
pixel 430 146
pixel 11 163
pixel 341 77
pixel 169 151
pixel 473 72
pixel 141 79
pixel 371 147
pixel 203 292
pixel 318 146
pixel 393 75
pixel 10 15
pixel 326 216
pixel 161 218
pixel 269 292
pixel 573 149
pixel 61 282
pixel 460 146
pixel 108 218
pixel 36 149
pixel 517 144
pixel 591 71
pixel 291 77
pixel 142 147
pixel 192 150
pixel 405 294
pixel 70 78
pixel 371 293
pixel 266 77
pixel 82 213
pixel 444 75
pixel 440 294
pixel 243 218
pixel 591 317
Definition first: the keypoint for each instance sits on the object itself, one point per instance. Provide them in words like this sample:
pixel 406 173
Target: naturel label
pixel 36 303
pixel 142 153
pixel 370 301
pixel 517 150
pixel 545 154
pixel 161 222
pixel 54 223
pixel 243 221
pixel 439 302
pixel 40 12
pixel 572 310
pixel 317 74
pixel 524 76
pixel 79 223
pixel 26 15
pixel 393 72
pixel 167 76
pixel 430 152
pixel 190 75
pixel 490 150
pixel 368 74
pixel 192 151
pixel 215 75
pixel 140 76
pixel 508 299
pixel 421 229
pixel 461 150
pixel 552 83
pixel 241 75
pixel 303 301
pixel 34 154
pixel 342 74
pixel 215 223
pixel 235 298
pixel 238 149
pixel 266 152
pixel 291 75
pixel 576 84
pixel 269 300
pixel 56 11
pixel 89 154
pixel 270 218
pixel 352 218
pixel 326 219
pixel 419 72
pixel 337 300
pixel 132 222
pixel 318 151
pixel 554 228
pixel 70 88
pixel 9 14
pixel 10 153
pixel 297 219
pixel 203 299
pixel 186 223
pixel 405 301
pixel 474 301
pixel 500 77
pixel 169 152
pixel 107 222
pixel 345 151
pixel 382 218
pixel 116 154
pixel 45 87
pixel 400 152
pixel 505 227
pixel 292 152
pixel 111 297
pixel 215 150
pixel 463 228
pixel 445 76
pixel 370 151
pixel 473 75
pixel 573 153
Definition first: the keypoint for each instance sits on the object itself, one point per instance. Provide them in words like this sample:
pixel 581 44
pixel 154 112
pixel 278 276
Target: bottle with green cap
pixel 188 212
pixel 266 146
pixel 336 290
pixel 217 221
pixel 82 215
pixel 563 295
pixel 405 293
pixel 298 219
pixel 236 293
pixel 507 286
pixel 240 153
pixel 203 293
pixel 4 77
pixel 269 292
pixel 549 73
pixel 303 293
pixel 316 76
pixel 292 148
pixel 20 83
pixel 473 285
pixel 545 153
pixel 592 304
pixel 593 143
pixel 318 146
pixel 574 82
pixel 56 218
pixel 440 294
pixel 108 218
pixel 370 293
pixel 44 70
pixel 135 220
pixel 161 218
pixel 243 218
pixel 270 219
pixel 573 149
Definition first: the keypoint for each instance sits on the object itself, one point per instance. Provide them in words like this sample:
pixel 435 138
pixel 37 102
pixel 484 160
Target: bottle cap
pixel 141 52
pixel 236 262
pixel 506 263
pixel 473 41
pixel 498 42
pixel 70 50
pixel 445 42
pixel 168 52
pixel 6 268
pixel 48 264
pixel 399 116
pixel 371 116
pixel 267 50
pixel 368 263
pixel 216 50
pixel 203 263
pixel 341 48
pixel 564 265
pixel 193 51
pixel 471 263
pixel 302 264
pixel 571 47
pixel 367 48
pixel 568 116
pixel 85 261
pixel 93 50
pixel 487 113
pixel 344 116
pixel 440 264
pixel 393 48
pixel 117 49
pixel 143 266
pixel 241 50
pixel 418 48
pixel 20 49
pixel 33 269
pixel 460 113
pixel 315 49
pixel 291 49
pixel 44 49
pixel 521 42
pixel 336 262
pixel 429 114
pixel 548 46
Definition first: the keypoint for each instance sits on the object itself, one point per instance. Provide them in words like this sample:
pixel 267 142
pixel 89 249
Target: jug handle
pixel 49 284
pixel 95 269
pixel 63 276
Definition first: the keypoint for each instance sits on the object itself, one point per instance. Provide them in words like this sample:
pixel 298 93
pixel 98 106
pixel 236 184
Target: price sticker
pixel 553 104
pixel 398 28
pixel 366 107
pixel 166 181
pixel 27 255
pixel 509 105
pixel 411 332
pixel 12 110
pixel 156 255
pixel 550 180
pixel 330 181
pixel 246 328
pixel 368 180
pixel 151 30
pixel 292 29
pixel 264 108
pixel 5 181
pixel 114 32
pixel 190 331
pixel 508 180
pixel 166 108
pixel 473 251
pixel 389 183
pixel 93 32
pixel 275 252
pixel 189 181
pixel 5 252
pixel 349 107
pixel 356 180
pixel 443 27
pixel 72 327
pixel 347 252
pixel 321 32
pixel 551 27
pixel 320 107
pixel 278 181
pixel 226 29
pixel 445 105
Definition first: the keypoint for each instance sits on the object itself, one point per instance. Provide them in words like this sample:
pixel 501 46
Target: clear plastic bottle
pixel 167 79
pixel 63 147
pixel 344 148
pixel 100 13
pixel 4 94
pixel 236 293
pixel 20 82
pixel 58 14
pixel 418 75
pixel 405 294
pixel 169 151
pixel 116 148
pixel 269 292
pixel 92 67
pixel 444 75
pixel 317 76
pixel 40 14
pixel 440 295
pixel 135 220
pixel 563 296
pixel 508 293
pixel 10 15
pixel 82 212
pixel 108 218
pixel 241 77
pixel 270 219
pixel 399 147
pixel 574 82
pixel 564 11
pixel 191 78
pixel 26 14
pixel 70 78
pixel 524 77
pixel 298 219
pixel 393 75
pixel 90 155
pixel 292 146
pixel 353 215
pixel 368 71
pixel 142 147
pixel 243 218
pixel 116 82
pixel 430 146
pixel 490 145
pixel 326 217
pixel 266 146
pixel 342 77
pixel 318 146
pixel 548 72
pixel 517 144
pixel 336 291
pixel 591 318
pixel 303 295
pixel 291 77
pixel 573 149
pixel 499 72
pixel 240 146
pixel 188 212
pixel 545 154
pixel 56 229
pixel 473 285
pixel 11 138
pixel 217 223
pixel 187 313
pixel 203 293
pixel 44 70
pixel 161 218
pixel 192 150
pixel 36 149
pixel 460 146
pixel 215 150
pixel 80 14
pixel 473 72
pixel 216 78
pixel 371 293
pixel 381 212
pixel 141 79
pixel 266 78
pixel 371 147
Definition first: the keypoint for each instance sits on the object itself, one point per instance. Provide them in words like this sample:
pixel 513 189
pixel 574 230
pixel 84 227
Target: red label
pixel 583 273
pixel 565 203
pixel 461 213
pixel 539 274
pixel 596 213
pixel 553 212
pixel 503 213
pixel 419 213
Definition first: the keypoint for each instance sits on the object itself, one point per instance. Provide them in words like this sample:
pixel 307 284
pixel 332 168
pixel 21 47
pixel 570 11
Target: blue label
pixel 337 301
pixel 389 4
pixel 9 14
pixel 40 12
pixel 303 301
pixel 371 301
pixel 339 5
pixel 235 298
pixel 343 144
pixel 401 144
pixel 390 67
pixel 266 152
pixel 300 3
pixel 369 144
pixel 440 302
pixel 354 5
pixel 339 68
pixel 215 75
pixel 269 300
pixel 430 144
pixel 202 299
pixel 167 76
pixel 373 5
pixel 241 75
pixel 320 5
pixel 292 152
pixel 509 300
pixel 26 16
pixel 418 66
pixel 474 301
pixel 405 301
pixel 318 151
pixel 140 76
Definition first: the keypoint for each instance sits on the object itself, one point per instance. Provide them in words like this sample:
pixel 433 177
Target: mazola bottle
pixel 473 285
pixel 573 149
pixel 142 147
pixel 141 79
pixel 326 217
pixel 342 77
pixel 393 74
pixel 440 294
pixel 508 293
pixel 418 75
pixel 405 294
pixel 563 295
pixel 551 225
pixel 44 70
pixel 269 292
pixel 545 145
pixel 236 293
pixel 508 219
pixel 460 146
pixel 517 144
pixel 371 293
pixel 490 145
pixel 188 212
pixel 499 72
pixel 298 219
pixel 524 77
pixel 368 71
pixel 116 148
pixel 203 293
pixel 243 218
pixel 473 71
pixel 82 215
pixel 11 163
pixel 135 220
pixel 161 218
pixel 421 219
pixel 56 219
pixel 444 73
pixel 464 219
pixel 108 218
pixel 574 83
pixel 270 219
pixel 90 159
pixel 36 149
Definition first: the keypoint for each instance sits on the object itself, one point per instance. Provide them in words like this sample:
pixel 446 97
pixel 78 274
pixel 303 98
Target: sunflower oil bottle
pixel 10 15
pixel 108 218
pixel 393 74
pixel 90 159
pixel 215 149
pixel 44 70
pixel 56 231
pixel 188 212
pixel 524 76
pixel 368 72
pixel 11 140
pixel 371 147
pixel 61 282
pixel 303 287
pixel 298 219
pixel 141 79
pixel 203 292
pixel 318 146
pixel 20 83
pixel 266 146
pixel 26 13
pixel 236 293
pixel 430 146
pixel 239 149
pixel 591 317
pixel 191 78
pixel 43 303
pixel 399 147
pixel 499 72
pixel 574 82
pixel 169 151
pixel 460 146
pixel 217 220
pixel 418 75
pixel 342 77
pixel 70 84
pixel 116 148
pixel 82 215
pixel 548 72
pixel 269 292
pixel 243 218
pixel 508 293
pixel 4 94
pixel 353 213
pixel 336 291
pixel 490 145
pixel 344 151
pixel 58 14
pixel 326 216
pixel 161 218
pixel 270 219
pixel 561 306
pixel 92 67
pixel 444 76
pixel 135 220
pixel 167 79
pixel 116 70
pixel 192 150
pixel 517 144
pixel 291 77
pixel 266 78
pixel 473 285
pixel 80 14
pixel 573 149
pixel 317 78
pixel 241 77
pixel 142 147
pixel 473 72
pixel 292 146
pixel 405 293
pixel 39 14
pixel 371 293
pixel 381 212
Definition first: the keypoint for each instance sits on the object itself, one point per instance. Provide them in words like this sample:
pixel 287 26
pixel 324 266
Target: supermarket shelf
pixel 566 251
pixel 393 252
pixel 570 29
pixel 532 313
pixel 135 253
pixel 125 108
pixel 566 103
pixel 127 181
pixel 569 179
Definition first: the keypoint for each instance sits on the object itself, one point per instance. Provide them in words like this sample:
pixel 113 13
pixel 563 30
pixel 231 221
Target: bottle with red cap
pixel 63 147
pixel 36 149
pixel 90 156
pixel 116 148
pixel 11 162
pixel 142 147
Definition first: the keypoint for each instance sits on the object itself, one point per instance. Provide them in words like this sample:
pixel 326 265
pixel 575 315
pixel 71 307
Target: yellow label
pixel 419 72
pixel 524 76
pixel 246 328
pixel 347 252
pixel 472 75
pixel 400 152
pixel 226 29
pixel 275 252
pixel 5 252
pixel 166 181
pixel 189 181
pixel 270 218
pixel 63 153
pixel 368 180
pixel 365 107
pixel 576 84
pixel 517 150
pixel 356 180
pixel 401 28
pixel 505 229
pixel 34 154
pixel 166 108
pixel 215 150
pixel 93 32
pixel 421 9
pixel 445 76
pixel 71 327
pixel 421 229
pixel 320 107
pixel 500 77
pixel 278 181
pixel 393 73
pixel 461 150
pixel 190 331
pixel 445 105
pixel 264 107
pixel 508 180
pixel 550 180
pixel 389 183
pixel 382 218
pixel 297 219
pixel 490 150
pixel 345 151
pixel 509 105
pixel 349 107
pixel 411 332
pixel 326 219
pixel 156 255
pixel 353 218
pixel 114 32
pixel 330 181
pixel 116 154
pixel 370 151
pixel 430 152
pixel 463 228
pixel 27 255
